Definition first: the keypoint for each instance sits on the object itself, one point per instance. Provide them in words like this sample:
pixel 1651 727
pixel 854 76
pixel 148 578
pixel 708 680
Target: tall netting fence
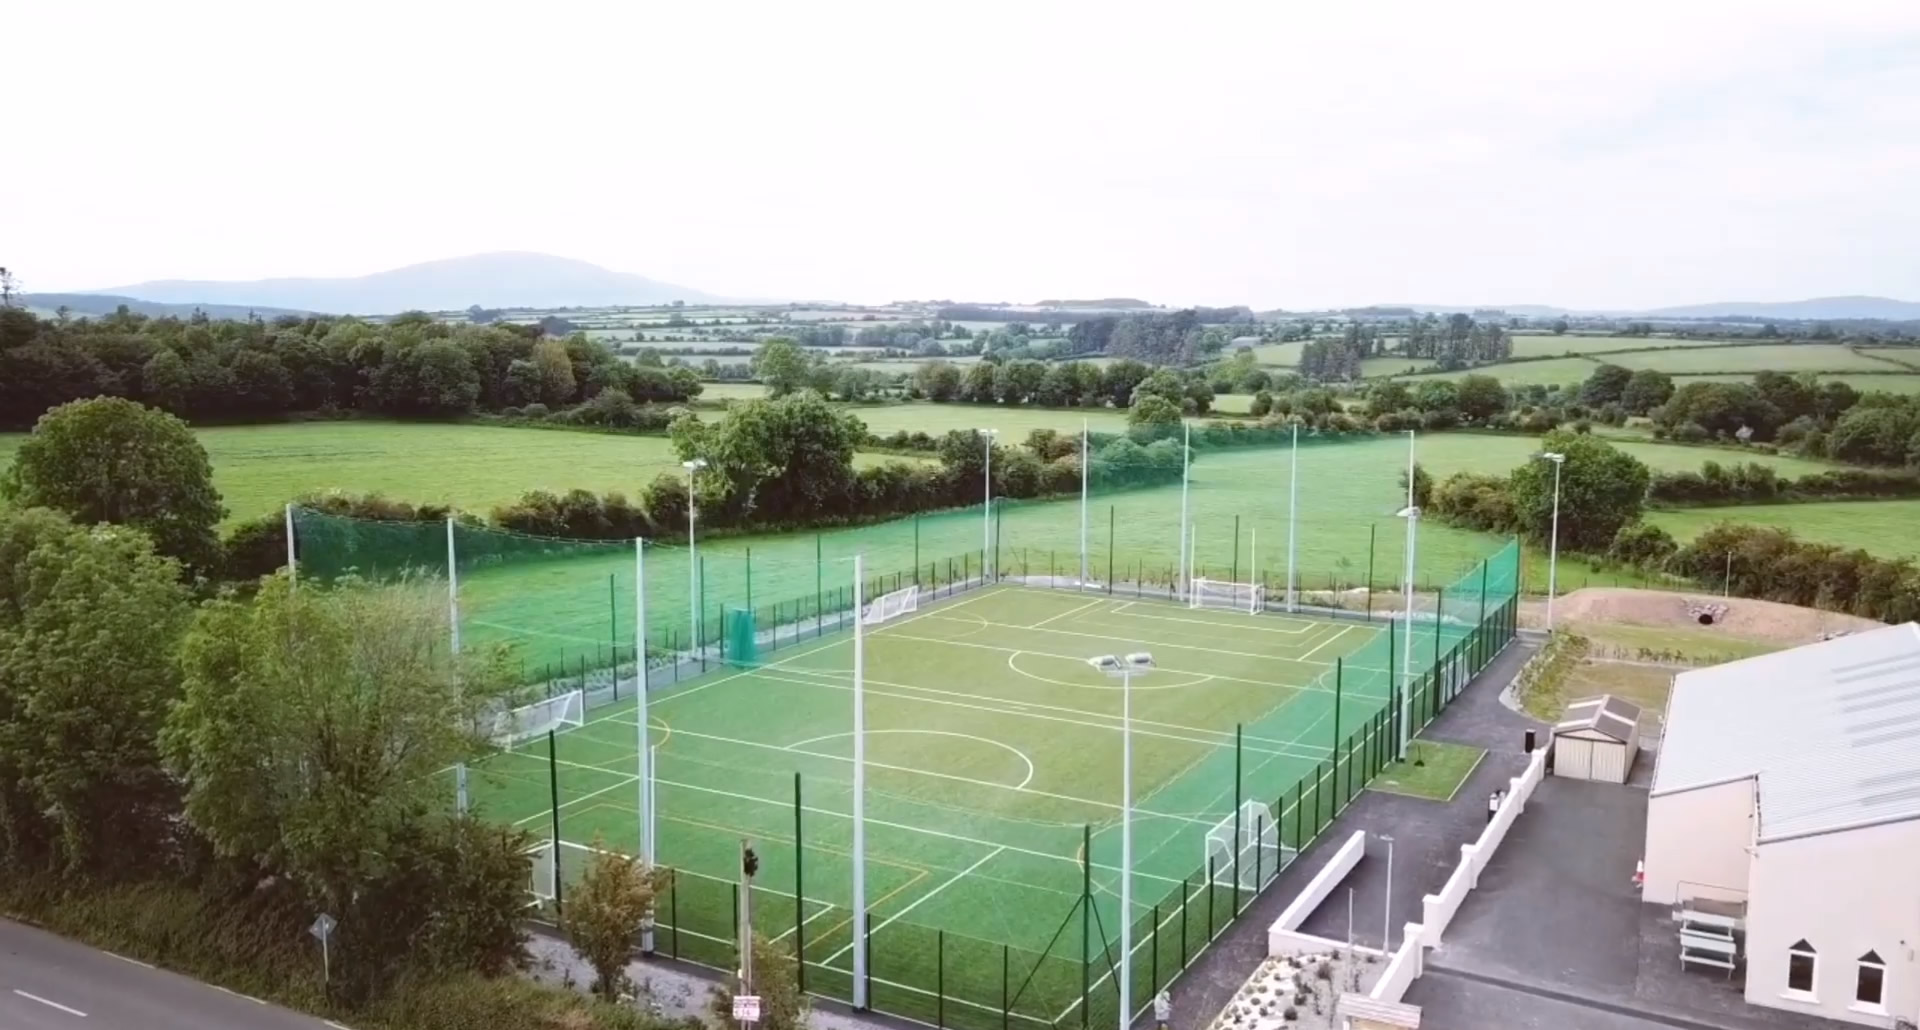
pixel 1038 943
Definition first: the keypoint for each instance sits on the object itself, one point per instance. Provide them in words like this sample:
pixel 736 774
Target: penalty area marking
pixel 1201 677
pixel 1017 753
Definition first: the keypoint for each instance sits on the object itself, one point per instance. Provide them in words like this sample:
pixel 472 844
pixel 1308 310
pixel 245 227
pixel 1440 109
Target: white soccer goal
pixel 903 601
pixel 1220 593
pixel 1255 840
pixel 535 720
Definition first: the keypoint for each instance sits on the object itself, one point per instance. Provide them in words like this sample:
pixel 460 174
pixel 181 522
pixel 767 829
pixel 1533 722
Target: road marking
pixel 50 1004
pixel 922 899
pixel 132 961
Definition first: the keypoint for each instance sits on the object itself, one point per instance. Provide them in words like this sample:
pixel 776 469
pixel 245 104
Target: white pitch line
pixel 570 802
pixel 1122 635
pixel 1231 627
pixel 1070 611
pixel 50 1004
pixel 1342 632
pixel 824 909
pixel 1164 668
pixel 922 899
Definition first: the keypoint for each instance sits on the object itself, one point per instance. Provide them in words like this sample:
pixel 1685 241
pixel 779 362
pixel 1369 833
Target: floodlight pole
pixel 1127 665
pixel 860 1001
pixel 1412 515
pixel 453 622
pixel 1181 585
pixel 694 600
pixel 1553 546
pixel 1083 505
pixel 293 572
pixel 986 509
pixel 640 693
pixel 1293 506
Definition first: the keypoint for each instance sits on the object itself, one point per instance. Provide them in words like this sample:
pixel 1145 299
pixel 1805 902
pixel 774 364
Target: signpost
pixel 746 1008
pixel 321 930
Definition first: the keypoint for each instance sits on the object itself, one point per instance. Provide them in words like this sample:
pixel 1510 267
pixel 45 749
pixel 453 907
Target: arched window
pixel 1870 982
pixel 1801 964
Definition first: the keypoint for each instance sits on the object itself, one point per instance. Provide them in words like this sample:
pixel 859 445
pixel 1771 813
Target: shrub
pixel 535 410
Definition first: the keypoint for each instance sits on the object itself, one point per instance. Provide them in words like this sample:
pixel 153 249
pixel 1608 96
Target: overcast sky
pixel 1290 153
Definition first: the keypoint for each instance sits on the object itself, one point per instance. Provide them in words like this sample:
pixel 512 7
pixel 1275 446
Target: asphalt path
pixel 51 983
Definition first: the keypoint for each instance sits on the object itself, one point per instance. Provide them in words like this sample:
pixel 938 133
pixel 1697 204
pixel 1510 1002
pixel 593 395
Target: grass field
pixel 1013 423
pixel 1550 372
pixel 259 468
pixel 1284 355
pixel 1542 346
pixel 1446 453
pixel 1885 529
pixel 1795 357
pixel 1896 383
pixel 1434 770
pixel 993 752
pixel 732 391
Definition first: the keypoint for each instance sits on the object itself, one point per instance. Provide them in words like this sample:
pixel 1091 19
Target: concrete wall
pixel 1281 936
pixel 1697 843
pixel 1845 894
pixel 1405 967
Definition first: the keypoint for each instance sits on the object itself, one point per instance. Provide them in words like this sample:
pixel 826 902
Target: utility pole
pixel 746 1005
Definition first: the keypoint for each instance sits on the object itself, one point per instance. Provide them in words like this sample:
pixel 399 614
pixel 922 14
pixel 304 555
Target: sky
pixel 1278 153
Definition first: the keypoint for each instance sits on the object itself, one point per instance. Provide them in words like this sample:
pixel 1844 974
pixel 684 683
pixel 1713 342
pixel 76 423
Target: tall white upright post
pixel 453 622
pixel 1553 548
pixel 1182 584
pixel 1412 515
pixel 293 572
pixel 1293 507
pixel 645 756
pixel 1126 843
pixel 860 1000
pixel 696 604
pixel 986 507
pixel 1253 561
pixel 1083 504
pixel 1386 910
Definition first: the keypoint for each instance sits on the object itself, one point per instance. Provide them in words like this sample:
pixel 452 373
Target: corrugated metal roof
pixel 1831 731
pixel 1605 714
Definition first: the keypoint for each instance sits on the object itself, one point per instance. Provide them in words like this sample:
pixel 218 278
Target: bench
pixel 1707 946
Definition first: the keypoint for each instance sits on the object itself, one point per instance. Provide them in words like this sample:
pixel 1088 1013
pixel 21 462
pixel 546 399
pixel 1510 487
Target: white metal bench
pixel 1708 946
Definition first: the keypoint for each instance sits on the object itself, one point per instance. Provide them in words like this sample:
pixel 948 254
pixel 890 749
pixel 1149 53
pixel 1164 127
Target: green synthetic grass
pixel 993 751
pixel 1435 771
pixel 1785 357
pixel 1885 529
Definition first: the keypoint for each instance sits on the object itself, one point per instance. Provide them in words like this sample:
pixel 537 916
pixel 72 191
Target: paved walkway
pixel 1427 838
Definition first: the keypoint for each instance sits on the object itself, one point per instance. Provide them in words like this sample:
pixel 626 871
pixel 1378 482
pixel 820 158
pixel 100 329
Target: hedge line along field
pixel 1572 343
pixel 1884 529
pixel 473 467
pixel 1443 454
pixel 1013 423
pixel 1785 357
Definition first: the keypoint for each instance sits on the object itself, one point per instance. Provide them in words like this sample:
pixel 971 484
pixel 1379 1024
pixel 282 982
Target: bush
pixel 1690 432
pixel 535 410
pixel 1642 544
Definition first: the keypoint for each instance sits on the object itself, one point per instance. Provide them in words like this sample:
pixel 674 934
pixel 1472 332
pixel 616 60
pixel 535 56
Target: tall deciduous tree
pixel 783 365
pixel 112 460
pixel 89 620
pixel 1602 488
pixel 1646 390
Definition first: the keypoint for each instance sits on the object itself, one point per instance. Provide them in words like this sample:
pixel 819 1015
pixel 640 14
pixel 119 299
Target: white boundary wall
pixel 1438 909
pixel 1281 936
pixel 1405 967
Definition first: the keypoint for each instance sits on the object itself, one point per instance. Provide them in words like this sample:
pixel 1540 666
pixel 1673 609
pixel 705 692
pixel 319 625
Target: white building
pixel 1790 785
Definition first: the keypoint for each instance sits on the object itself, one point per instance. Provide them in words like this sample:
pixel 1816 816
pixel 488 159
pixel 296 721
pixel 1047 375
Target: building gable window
pixel 1870 983
pixel 1801 962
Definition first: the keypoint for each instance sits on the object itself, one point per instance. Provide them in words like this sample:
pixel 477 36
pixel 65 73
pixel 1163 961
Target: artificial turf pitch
pixel 993 752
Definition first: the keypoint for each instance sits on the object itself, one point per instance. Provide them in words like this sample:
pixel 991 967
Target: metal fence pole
pixel 799 892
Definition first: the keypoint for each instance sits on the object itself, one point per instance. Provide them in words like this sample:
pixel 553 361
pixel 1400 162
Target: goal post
pixel 903 601
pixel 1253 837
pixel 528 722
pixel 1219 593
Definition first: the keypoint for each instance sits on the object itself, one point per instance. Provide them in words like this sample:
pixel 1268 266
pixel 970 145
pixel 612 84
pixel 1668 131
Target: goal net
pixel 528 722
pixel 1218 593
pixel 891 606
pixel 1253 838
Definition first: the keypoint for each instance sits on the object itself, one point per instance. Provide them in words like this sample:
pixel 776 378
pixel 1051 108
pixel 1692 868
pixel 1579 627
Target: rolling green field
pixel 1551 372
pixel 1796 357
pixel 1897 383
pixel 1573 343
pixel 731 391
pixel 1282 354
pixel 1885 529
pixel 1446 453
pixel 259 468
pixel 1013 423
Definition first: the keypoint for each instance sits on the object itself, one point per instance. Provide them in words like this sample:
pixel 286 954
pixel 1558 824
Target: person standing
pixel 1162 1010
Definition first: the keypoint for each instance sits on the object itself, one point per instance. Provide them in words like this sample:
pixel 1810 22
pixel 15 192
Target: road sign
pixel 746 1008
pixel 322 927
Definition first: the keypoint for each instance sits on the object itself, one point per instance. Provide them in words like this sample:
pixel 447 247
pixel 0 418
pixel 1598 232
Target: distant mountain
pixel 1817 309
pixel 1104 304
pixel 97 304
pixel 501 280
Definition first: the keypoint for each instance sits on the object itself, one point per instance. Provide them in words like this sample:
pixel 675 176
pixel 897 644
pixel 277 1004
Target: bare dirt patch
pixel 1748 619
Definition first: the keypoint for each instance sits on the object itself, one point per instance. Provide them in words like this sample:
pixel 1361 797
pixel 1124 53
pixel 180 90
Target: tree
pixel 783 461
pixel 938 380
pixel 1481 397
pixel 1602 488
pixel 311 735
pixel 1605 386
pixel 113 460
pixel 1792 396
pixel 1262 404
pixel 1435 395
pixel 783 365
pixel 1153 410
pixel 1646 390
pixel 1119 378
pixel 776 983
pixel 88 625
pixel 165 382
pixel 1386 396
pixel 557 384
pixel 980 382
pixel 1559 326
pixel 606 909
